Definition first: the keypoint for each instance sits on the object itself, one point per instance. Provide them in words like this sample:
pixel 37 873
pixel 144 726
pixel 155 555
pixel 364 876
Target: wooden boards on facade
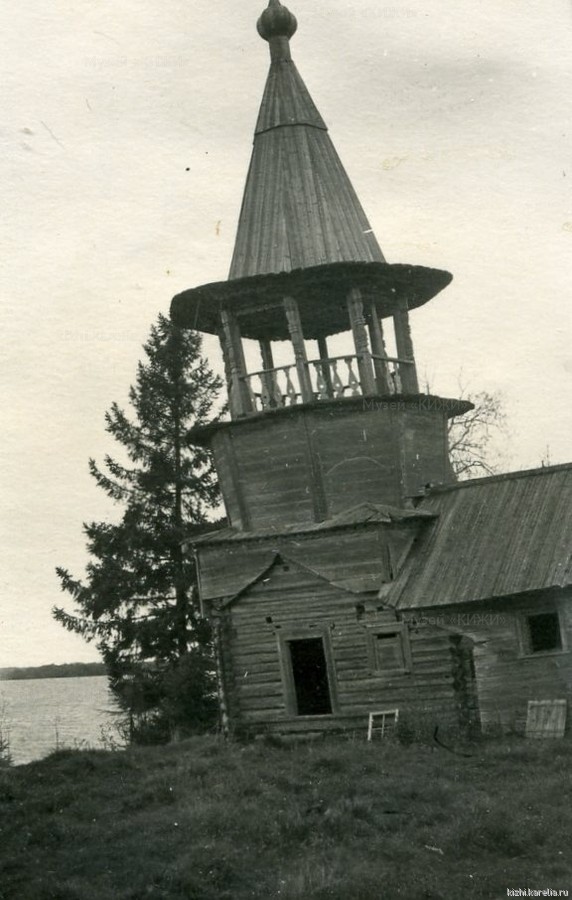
pixel 306 464
pixel 340 599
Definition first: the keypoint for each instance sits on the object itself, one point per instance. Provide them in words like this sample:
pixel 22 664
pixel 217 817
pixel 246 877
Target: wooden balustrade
pixel 329 378
pixel 273 388
pixel 394 373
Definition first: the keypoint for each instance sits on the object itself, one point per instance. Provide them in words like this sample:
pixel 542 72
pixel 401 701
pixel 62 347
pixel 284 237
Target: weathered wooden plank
pixel 303 724
pixel 270 689
pixel 246 661
pixel 259 675
pixel 229 483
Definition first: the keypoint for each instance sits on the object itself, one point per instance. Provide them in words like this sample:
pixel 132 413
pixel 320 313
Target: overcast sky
pixel 126 135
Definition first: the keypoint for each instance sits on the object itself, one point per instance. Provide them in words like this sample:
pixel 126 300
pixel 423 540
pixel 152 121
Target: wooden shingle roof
pixel 367 513
pixel 299 208
pixel 302 232
pixel 492 537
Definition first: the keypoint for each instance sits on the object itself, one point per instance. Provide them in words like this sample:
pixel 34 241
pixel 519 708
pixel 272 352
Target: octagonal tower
pixel 323 432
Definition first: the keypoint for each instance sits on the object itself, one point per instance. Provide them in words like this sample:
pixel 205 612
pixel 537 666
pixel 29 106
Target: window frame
pixel 397 628
pixel 525 642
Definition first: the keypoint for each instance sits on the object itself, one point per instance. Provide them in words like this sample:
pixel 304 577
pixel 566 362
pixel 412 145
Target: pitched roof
pixel 299 208
pixel 350 585
pixel 367 513
pixel 492 537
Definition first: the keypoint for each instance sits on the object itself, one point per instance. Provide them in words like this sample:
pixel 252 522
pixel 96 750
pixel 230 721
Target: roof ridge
pixel 504 476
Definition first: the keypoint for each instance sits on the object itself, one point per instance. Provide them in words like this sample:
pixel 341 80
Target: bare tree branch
pixel 474 437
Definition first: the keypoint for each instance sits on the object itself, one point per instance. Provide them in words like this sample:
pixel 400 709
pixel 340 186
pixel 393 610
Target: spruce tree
pixel 139 600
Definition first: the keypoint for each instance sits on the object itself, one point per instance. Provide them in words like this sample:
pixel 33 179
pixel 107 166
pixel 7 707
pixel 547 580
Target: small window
pixel 544 632
pixel 389 649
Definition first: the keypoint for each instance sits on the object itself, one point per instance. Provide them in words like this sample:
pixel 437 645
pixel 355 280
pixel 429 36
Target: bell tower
pixel 323 432
pixel 329 443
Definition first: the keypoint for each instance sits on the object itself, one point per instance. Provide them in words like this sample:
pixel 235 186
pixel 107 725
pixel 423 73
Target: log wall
pixel 288 601
pixel 344 556
pixel 306 464
pixel 508 675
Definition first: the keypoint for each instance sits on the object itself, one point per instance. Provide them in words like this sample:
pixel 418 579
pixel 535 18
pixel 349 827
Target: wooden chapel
pixel 326 461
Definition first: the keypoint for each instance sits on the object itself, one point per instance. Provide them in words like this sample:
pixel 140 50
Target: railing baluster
pixel 278 397
pixel 337 383
pixel 253 399
pixel 320 380
pixel 395 379
pixel 353 381
pixel 291 392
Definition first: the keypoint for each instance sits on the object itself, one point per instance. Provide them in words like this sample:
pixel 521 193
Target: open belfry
pixel 328 463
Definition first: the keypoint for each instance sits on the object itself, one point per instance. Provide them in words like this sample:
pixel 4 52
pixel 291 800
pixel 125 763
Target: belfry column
pixel 378 349
pixel 404 345
pixel 297 338
pixel 239 396
pixel 357 321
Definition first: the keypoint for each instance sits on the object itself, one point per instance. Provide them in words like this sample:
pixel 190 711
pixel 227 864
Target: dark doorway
pixel 310 673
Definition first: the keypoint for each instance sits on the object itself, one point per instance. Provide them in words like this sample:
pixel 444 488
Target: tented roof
pixel 299 207
pixel 302 232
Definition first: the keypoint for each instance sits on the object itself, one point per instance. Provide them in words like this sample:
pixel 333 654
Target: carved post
pixel 226 359
pixel 378 349
pixel 326 374
pixel 239 396
pixel 297 338
pixel 232 384
pixel 357 321
pixel 266 354
pixel 272 394
pixel 404 346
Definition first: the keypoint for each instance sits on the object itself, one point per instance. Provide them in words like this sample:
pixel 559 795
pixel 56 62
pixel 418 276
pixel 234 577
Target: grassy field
pixel 205 820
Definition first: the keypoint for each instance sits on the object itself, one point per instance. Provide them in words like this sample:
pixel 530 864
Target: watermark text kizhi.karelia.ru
pixel 536 892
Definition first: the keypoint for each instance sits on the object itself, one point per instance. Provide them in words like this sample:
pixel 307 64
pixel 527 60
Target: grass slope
pixel 204 820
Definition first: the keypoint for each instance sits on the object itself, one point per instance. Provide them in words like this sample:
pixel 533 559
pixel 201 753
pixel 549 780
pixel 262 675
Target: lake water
pixel 39 715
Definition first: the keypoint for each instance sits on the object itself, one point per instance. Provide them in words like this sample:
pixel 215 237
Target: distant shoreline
pixel 66 670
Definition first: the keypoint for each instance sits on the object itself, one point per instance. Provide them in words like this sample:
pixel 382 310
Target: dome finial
pixel 276 22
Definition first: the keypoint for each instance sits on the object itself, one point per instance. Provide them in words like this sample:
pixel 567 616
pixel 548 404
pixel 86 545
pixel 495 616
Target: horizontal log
pixel 270 690
pixel 301 724
pixel 270 704
pixel 328 614
pixel 247 661
pixel 259 675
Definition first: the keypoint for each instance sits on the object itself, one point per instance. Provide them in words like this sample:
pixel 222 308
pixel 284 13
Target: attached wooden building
pixel 348 536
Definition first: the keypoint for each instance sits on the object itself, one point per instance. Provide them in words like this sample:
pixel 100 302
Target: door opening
pixel 310 674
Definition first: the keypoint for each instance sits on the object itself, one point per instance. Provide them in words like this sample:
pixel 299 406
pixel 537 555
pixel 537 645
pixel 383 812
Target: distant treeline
pixel 67 670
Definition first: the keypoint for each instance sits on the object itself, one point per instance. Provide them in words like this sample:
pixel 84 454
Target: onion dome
pixel 276 21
